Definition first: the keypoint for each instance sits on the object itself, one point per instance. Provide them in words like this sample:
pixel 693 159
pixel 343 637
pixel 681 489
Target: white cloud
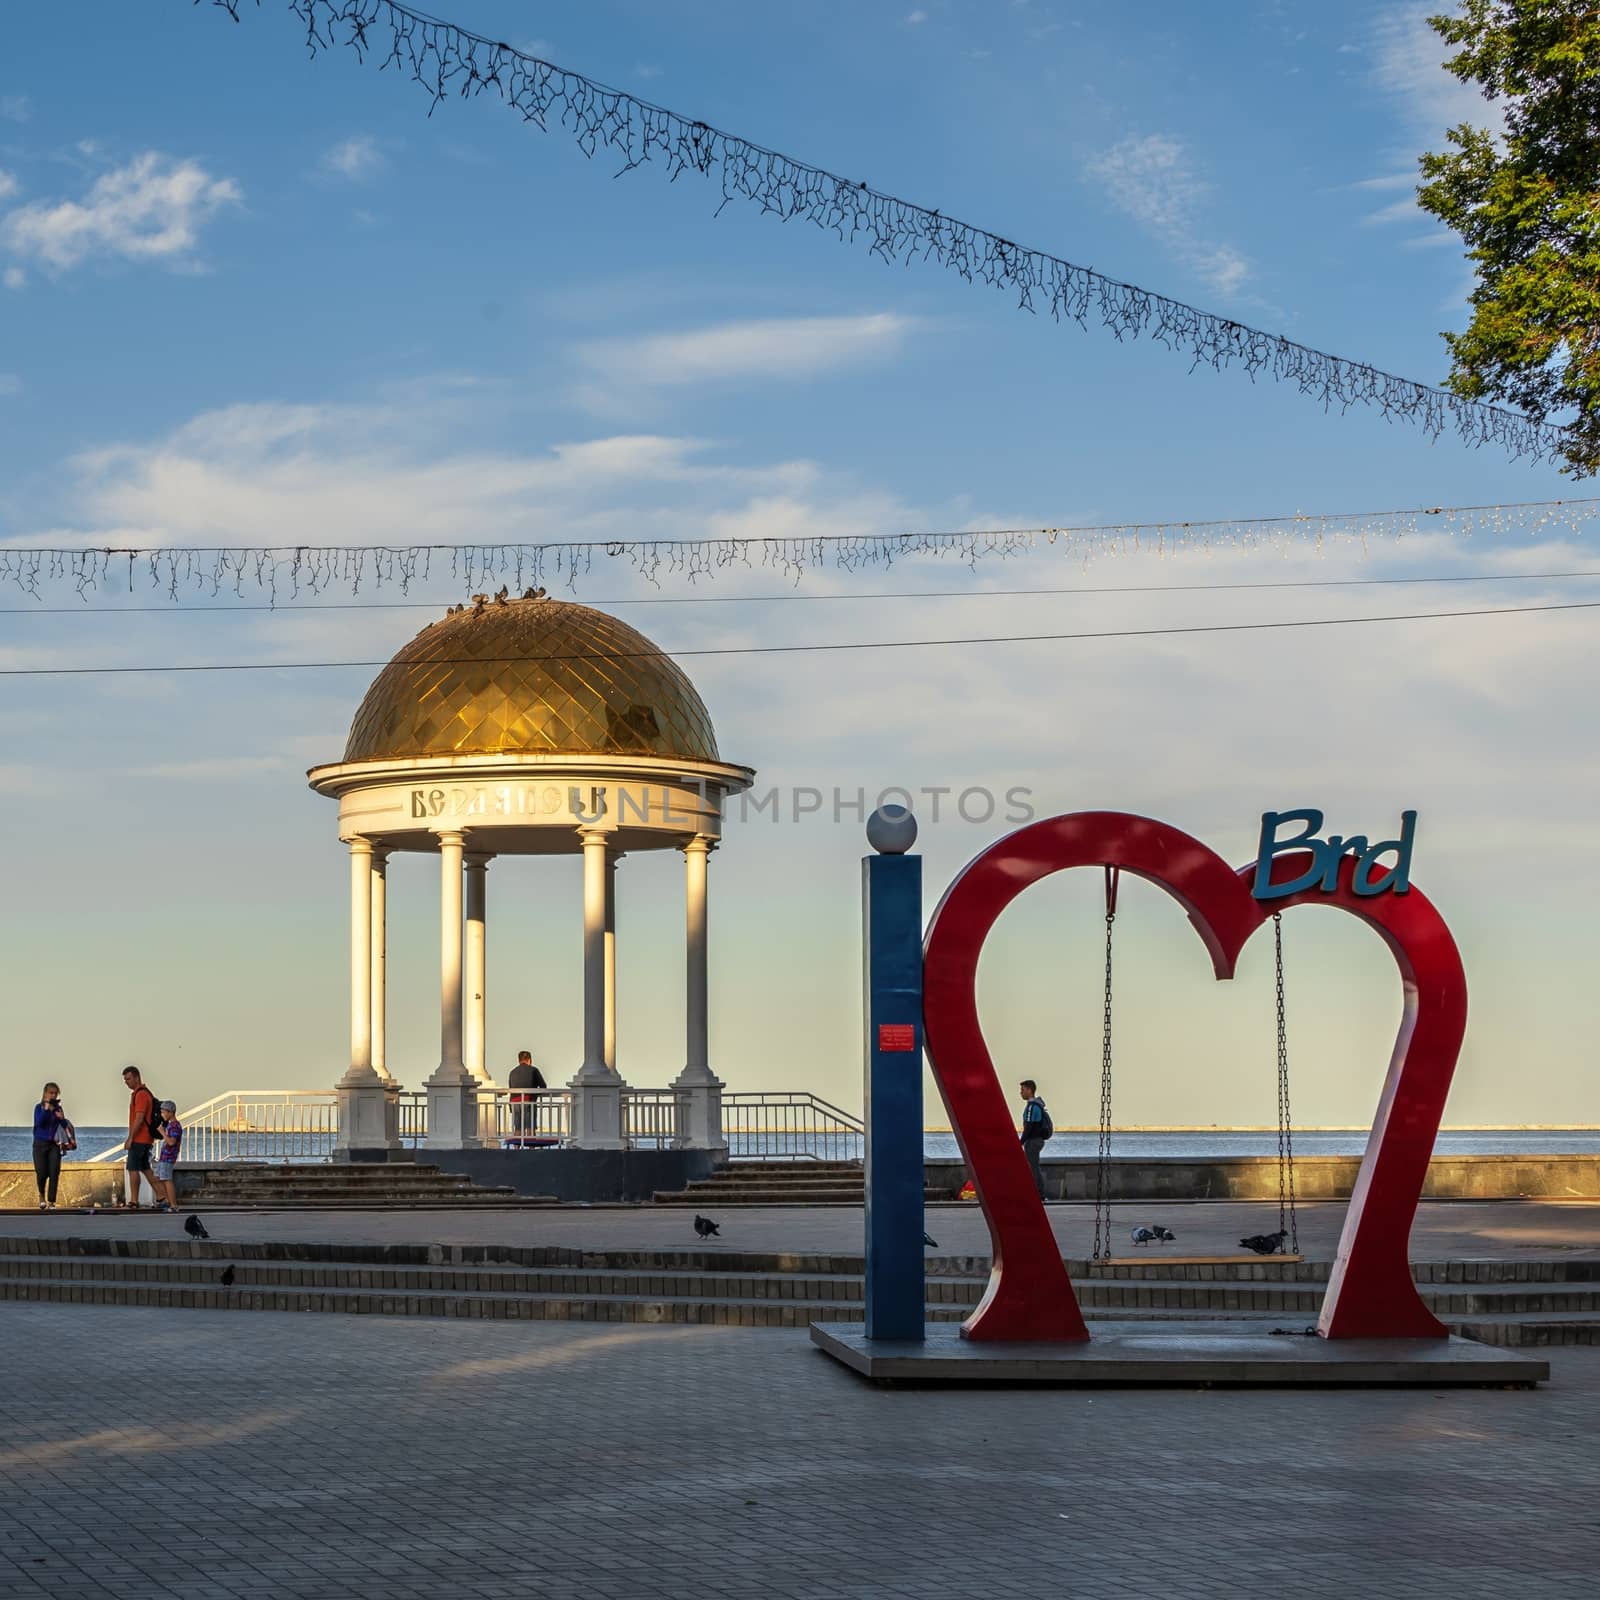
pixel 778 347
pixel 1153 180
pixel 362 473
pixel 15 278
pixel 8 184
pixel 220 768
pixel 152 209
pixel 646 70
pixel 916 18
pixel 15 108
pixel 1404 210
pixel 10 384
pixel 355 158
pixel 1409 65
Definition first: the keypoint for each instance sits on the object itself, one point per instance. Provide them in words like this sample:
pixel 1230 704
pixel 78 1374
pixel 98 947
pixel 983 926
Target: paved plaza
pixel 1445 1230
pixel 311 1457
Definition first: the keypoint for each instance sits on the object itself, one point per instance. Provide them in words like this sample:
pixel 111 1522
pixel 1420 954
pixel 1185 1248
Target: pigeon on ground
pixel 930 1241
pixel 1154 1233
pixel 705 1227
pixel 1164 1235
pixel 1265 1244
pixel 227 1277
pixel 1143 1235
pixel 195 1228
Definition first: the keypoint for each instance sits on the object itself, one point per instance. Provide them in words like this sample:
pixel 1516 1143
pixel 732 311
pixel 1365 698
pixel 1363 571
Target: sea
pixel 16 1144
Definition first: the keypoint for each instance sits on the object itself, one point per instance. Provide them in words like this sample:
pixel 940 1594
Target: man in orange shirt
pixel 141 1135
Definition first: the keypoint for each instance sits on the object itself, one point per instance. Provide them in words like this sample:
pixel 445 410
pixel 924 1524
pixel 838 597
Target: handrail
pixel 197 1116
pixel 303 1124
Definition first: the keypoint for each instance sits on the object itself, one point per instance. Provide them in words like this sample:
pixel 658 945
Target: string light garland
pixel 296 570
pixel 609 602
pixel 448 60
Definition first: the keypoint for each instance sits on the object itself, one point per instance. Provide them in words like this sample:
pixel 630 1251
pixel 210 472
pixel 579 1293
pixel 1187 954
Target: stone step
pixel 1550 1328
pixel 100 1240
pixel 501 1280
pixel 354 1192
pixel 760 1178
pixel 735 1167
pixel 329 1172
pixel 1486 1301
pixel 341 1185
pixel 802 1179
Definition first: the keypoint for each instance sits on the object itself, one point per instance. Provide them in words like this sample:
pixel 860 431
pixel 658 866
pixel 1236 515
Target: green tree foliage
pixel 1527 204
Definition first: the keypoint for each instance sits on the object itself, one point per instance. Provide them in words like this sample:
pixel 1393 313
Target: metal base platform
pixel 1182 1354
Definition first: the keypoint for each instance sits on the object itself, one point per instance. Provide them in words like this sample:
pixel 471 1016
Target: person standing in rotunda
pixel 524 1080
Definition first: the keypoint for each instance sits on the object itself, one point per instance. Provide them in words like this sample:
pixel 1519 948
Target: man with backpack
pixel 144 1125
pixel 1036 1129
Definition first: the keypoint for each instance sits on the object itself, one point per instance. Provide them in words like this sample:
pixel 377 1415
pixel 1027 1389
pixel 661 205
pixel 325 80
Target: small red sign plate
pixel 896 1036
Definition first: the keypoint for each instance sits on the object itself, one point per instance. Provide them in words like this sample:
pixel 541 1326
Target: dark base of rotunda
pixel 580 1175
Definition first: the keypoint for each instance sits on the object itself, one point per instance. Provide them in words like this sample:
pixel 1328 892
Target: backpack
pixel 1046 1128
pixel 153 1121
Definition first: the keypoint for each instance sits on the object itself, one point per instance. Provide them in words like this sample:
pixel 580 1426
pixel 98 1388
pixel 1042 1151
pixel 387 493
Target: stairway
pixel 1497 1302
pixel 342 1186
pixel 779 1183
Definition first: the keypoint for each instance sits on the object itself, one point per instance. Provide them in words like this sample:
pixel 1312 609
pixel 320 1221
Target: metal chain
pixel 1102 1182
pixel 1288 1222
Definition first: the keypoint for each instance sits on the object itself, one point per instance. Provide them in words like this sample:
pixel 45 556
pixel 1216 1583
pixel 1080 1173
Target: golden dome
pixel 530 677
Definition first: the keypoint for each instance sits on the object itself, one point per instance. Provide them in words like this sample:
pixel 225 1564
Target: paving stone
pixel 317 1457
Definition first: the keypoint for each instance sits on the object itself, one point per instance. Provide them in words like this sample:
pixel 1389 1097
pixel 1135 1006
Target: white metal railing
pixel 303 1124
pixel 257 1125
pixel 650 1118
pixel 523 1119
pixel 794 1125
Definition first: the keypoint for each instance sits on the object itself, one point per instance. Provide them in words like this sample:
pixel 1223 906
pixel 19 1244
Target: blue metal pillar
pixel 891 905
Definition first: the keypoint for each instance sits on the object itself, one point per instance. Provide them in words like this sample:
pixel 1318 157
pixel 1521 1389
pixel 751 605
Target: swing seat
pixel 1146 1256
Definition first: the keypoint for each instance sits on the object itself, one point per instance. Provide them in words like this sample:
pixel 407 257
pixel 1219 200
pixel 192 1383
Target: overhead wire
pixel 814 648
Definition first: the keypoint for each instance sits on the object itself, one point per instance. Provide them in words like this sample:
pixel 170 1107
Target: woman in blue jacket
pixel 48 1121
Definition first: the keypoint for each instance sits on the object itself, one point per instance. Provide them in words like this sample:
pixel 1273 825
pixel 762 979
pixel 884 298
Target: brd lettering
pixel 1326 854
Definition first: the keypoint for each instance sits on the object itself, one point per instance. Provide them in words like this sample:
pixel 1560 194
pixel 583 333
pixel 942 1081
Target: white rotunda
pixel 530 727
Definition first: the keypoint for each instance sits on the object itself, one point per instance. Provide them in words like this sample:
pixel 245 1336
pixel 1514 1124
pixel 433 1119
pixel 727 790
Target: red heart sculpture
pixel 1371 1294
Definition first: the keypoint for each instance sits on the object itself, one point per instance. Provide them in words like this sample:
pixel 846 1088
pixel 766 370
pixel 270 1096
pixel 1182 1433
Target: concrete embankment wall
pixel 1550 1177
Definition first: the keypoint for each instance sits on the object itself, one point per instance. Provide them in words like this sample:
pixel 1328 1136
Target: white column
pixel 699 1089
pixel 368 1100
pixel 378 883
pixel 596 1090
pixel 450 853
pixel 696 854
pixel 475 1034
pixel 452 1090
pixel 595 873
pixel 361 959
pixel 612 858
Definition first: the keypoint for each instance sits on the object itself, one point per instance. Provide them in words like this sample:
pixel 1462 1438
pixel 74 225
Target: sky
pixel 250 297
